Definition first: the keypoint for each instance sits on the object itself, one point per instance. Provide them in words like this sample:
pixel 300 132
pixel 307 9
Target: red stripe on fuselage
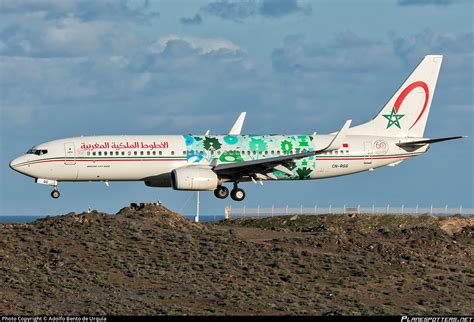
pixel 365 158
pixel 99 160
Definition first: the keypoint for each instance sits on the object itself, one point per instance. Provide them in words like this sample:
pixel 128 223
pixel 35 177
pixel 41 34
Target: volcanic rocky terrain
pixel 155 261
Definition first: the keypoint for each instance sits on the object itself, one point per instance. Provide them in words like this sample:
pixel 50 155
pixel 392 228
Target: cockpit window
pixel 36 151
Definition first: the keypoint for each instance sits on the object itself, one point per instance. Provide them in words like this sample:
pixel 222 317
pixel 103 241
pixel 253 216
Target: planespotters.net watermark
pixel 437 319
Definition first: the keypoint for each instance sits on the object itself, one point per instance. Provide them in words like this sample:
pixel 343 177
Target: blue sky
pixel 70 68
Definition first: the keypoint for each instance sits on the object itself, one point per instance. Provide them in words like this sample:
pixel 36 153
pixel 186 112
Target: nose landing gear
pixel 55 193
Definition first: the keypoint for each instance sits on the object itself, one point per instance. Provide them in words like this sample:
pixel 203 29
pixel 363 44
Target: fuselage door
pixel 368 152
pixel 70 154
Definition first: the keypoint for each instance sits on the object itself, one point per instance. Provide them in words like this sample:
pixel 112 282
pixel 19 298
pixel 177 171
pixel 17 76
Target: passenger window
pixel 172 152
pixel 135 152
pixel 105 152
pixel 147 152
pixel 254 153
pixel 99 153
pixel 273 152
pixel 141 152
pixel 129 152
pixel 184 152
pixel 116 152
pixel 154 152
pixel 160 152
pixel 93 153
pixel 278 152
pixel 88 153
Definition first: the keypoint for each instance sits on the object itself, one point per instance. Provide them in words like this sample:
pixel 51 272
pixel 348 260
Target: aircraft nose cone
pixel 14 163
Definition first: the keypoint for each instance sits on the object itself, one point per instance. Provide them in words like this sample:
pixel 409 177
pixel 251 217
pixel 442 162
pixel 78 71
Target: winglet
pixel 339 137
pixel 237 127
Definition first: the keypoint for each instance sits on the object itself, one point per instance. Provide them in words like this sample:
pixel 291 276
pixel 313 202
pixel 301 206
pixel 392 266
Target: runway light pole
pixel 196 219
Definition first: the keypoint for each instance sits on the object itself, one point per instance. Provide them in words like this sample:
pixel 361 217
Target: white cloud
pixel 140 81
pixel 74 37
pixel 203 45
pixel 22 6
pixel 121 11
pixel 120 61
pixel 68 37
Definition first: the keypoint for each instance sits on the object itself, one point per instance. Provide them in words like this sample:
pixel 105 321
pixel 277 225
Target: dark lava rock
pixel 152 260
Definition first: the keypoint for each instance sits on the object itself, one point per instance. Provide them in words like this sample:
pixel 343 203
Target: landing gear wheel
pixel 221 192
pixel 237 194
pixel 55 194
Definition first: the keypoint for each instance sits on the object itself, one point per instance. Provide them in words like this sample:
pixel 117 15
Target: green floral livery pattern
pixel 241 148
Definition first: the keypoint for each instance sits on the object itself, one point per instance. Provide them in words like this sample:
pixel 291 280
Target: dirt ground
pixel 154 261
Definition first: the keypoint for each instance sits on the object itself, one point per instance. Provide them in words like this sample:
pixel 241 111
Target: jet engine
pixel 194 178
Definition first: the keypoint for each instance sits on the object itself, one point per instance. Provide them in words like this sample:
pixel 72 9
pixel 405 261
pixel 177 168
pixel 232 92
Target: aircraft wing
pixel 279 163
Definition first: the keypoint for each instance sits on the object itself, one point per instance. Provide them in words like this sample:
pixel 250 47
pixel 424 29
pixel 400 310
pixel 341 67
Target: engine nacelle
pixel 194 178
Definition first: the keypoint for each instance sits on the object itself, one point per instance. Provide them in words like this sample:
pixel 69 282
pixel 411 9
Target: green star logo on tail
pixel 393 118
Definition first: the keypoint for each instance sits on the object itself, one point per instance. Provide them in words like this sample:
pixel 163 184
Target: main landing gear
pixel 236 194
pixel 221 192
pixel 55 193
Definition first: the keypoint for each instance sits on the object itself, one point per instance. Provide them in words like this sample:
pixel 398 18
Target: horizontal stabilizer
pixel 419 143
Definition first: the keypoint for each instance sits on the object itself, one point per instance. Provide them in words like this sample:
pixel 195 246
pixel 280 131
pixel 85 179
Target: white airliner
pixel 207 162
